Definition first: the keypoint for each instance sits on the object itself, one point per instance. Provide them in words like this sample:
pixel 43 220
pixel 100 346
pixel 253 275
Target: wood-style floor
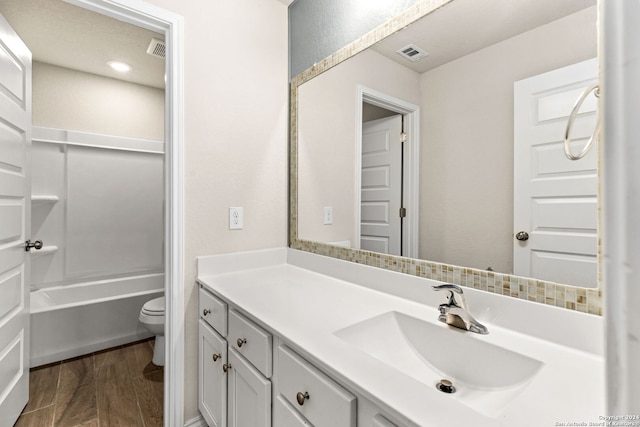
pixel 115 387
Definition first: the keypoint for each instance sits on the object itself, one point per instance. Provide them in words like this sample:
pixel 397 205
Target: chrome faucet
pixel 455 311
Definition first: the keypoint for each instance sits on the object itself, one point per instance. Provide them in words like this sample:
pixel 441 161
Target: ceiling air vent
pixel 157 48
pixel 412 52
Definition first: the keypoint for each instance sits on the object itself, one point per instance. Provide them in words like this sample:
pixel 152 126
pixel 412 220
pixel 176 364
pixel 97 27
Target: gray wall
pixel 317 28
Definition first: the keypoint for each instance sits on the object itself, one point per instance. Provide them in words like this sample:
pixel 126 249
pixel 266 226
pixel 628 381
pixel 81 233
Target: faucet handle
pixel 452 288
pixel 448 287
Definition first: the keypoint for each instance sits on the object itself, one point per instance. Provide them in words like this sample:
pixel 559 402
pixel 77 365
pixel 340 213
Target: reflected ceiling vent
pixel 412 52
pixel 157 48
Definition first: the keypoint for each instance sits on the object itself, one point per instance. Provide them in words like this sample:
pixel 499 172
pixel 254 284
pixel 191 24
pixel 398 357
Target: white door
pixel 555 199
pixel 15 208
pixel 380 222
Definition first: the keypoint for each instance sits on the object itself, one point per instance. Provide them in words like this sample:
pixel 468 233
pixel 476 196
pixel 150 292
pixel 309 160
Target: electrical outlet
pixel 236 221
pixel 328 215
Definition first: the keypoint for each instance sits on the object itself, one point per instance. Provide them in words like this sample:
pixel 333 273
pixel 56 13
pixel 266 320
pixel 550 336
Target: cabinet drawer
pixel 327 404
pixel 380 421
pixel 285 415
pixel 251 341
pixel 213 311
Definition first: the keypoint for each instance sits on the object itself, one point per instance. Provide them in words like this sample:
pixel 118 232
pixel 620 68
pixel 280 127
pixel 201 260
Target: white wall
pixel 326 140
pixel 466 182
pixel 236 109
pixel 69 99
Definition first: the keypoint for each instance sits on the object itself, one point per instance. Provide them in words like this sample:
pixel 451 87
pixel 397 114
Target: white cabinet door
pixel 249 394
pixel 284 415
pixel 212 400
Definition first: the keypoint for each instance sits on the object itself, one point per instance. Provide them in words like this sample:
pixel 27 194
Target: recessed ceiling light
pixel 120 66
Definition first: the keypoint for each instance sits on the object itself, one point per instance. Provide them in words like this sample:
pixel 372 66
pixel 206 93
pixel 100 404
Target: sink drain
pixel 446 386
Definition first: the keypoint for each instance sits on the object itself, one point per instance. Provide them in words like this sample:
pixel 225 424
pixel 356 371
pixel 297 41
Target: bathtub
pixel 73 320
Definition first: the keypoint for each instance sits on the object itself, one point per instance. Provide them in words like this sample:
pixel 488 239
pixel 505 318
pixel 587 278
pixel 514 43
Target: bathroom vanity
pixel 290 338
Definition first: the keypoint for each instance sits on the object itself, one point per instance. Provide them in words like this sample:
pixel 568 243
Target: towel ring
pixel 567 134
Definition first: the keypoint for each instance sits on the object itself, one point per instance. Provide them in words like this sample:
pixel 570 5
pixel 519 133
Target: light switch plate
pixel 328 215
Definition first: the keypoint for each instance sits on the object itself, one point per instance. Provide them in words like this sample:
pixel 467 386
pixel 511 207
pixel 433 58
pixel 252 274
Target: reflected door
pixel 380 227
pixel 555 199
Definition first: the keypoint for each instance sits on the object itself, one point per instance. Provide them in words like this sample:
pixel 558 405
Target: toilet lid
pixel 154 307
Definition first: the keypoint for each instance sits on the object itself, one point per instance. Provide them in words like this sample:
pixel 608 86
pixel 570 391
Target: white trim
pixel 142 14
pixel 411 113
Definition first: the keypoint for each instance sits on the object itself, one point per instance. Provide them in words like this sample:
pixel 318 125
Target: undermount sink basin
pixel 486 376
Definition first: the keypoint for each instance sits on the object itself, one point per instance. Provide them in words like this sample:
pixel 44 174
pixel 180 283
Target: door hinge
pixel 403 212
pixel 403 137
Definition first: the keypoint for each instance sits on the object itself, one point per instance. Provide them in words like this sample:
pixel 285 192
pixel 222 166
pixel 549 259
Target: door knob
pixel 522 236
pixel 37 245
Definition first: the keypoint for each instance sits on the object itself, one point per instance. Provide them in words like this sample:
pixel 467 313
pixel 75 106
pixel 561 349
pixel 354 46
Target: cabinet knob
pixel 301 397
pixel 241 341
pixel 522 236
pixel 226 367
pixel 206 311
pixel 216 357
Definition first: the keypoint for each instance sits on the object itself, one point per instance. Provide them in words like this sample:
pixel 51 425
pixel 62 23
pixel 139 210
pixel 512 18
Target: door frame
pixel 156 19
pixel 411 176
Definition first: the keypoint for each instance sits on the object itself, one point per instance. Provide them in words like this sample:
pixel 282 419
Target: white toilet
pixel 152 317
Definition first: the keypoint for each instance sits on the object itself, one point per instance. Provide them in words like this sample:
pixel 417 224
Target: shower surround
pixel 97 204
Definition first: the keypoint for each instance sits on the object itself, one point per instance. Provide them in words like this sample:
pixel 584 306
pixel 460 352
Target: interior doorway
pixel 170 25
pixel 389 223
pixel 381 209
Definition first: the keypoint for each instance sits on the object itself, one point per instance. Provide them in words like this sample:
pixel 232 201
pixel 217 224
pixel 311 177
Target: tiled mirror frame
pixel 556 294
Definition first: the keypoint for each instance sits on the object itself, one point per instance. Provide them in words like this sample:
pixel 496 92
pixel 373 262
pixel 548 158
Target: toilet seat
pixel 154 307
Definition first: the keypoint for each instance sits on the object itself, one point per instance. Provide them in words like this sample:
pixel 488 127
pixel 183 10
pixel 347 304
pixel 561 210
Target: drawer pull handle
pixel 241 341
pixel 216 357
pixel 301 397
pixel 206 311
pixel 226 367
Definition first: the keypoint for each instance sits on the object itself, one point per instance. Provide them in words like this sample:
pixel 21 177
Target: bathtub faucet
pixel 455 311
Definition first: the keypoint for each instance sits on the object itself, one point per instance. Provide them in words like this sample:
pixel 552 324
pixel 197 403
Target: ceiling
pixel 465 26
pixel 72 37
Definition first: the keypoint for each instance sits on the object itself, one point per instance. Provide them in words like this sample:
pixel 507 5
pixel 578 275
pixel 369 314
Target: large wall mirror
pixel 437 149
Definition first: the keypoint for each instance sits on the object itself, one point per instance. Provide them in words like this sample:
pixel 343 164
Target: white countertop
pixel 305 308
